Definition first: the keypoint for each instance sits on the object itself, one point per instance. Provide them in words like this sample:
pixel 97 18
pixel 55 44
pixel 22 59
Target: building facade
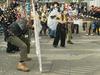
pixel 93 2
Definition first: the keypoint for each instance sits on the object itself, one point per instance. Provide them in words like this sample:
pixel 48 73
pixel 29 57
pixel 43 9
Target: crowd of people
pixel 70 16
pixel 58 21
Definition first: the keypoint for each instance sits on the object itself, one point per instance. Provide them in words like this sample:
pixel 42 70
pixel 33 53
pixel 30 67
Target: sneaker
pixel 86 34
pixel 70 42
pixel 12 52
pixel 92 34
pixel 62 46
pixel 22 67
pixel 55 46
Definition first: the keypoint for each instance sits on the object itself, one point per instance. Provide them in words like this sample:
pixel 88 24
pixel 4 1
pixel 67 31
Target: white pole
pixel 7 3
pixel 37 42
pixel 77 1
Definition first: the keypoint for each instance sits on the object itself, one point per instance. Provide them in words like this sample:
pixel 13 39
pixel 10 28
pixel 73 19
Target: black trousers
pixel 84 26
pixel 44 27
pixel 11 47
pixel 60 35
pixel 97 28
pixel 76 28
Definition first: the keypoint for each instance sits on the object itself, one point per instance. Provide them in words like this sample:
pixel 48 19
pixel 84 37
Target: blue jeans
pixel 52 33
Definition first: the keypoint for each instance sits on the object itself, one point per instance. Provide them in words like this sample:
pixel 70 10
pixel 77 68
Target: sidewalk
pixel 81 58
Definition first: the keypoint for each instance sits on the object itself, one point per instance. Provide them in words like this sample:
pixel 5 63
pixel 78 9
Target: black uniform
pixel 60 34
pixel 6 21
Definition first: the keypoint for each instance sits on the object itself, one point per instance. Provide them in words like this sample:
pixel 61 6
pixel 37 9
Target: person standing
pixel 52 21
pixel 69 25
pixel 44 22
pixel 69 35
pixel 60 30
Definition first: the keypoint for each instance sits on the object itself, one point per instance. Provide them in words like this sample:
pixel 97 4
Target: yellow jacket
pixel 43 17
pixel 62 18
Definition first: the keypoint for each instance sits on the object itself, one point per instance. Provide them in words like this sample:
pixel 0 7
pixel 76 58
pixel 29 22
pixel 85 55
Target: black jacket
pixel 14 29
pixel 18 30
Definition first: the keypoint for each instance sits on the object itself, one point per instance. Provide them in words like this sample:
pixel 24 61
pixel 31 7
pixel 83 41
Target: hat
pixel 56 3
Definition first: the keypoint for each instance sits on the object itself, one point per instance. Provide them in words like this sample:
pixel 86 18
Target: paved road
pixel 81 58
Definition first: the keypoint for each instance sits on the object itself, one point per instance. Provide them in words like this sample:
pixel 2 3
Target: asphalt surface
pixel 81 58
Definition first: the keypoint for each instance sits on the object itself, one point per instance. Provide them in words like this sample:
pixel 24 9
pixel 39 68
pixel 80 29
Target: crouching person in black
pixel 12 17
pixel 15 34
pixel 60 31
pixel 5 24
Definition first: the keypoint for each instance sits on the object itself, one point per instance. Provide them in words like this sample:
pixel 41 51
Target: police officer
pixel 60 31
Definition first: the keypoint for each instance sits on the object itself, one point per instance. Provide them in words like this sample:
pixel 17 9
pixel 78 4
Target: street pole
pixel 7 3
pixel 37 42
